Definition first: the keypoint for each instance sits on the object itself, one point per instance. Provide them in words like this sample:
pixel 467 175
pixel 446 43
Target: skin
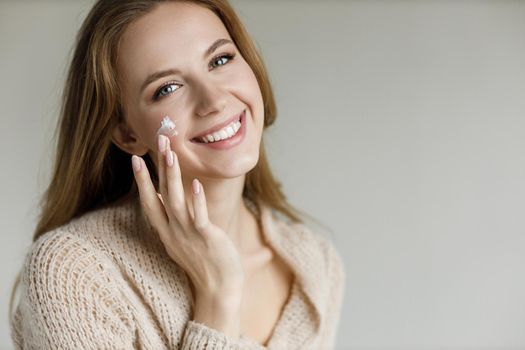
pixel 211 235
pixel 205 97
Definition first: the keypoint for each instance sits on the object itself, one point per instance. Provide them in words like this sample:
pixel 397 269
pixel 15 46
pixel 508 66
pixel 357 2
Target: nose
pixel 210 97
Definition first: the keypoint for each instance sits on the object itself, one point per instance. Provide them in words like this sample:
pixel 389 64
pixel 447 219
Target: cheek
pixel 257 101
pixel 249 87
pixel 149 129
pixel 143 122
pixel 145 127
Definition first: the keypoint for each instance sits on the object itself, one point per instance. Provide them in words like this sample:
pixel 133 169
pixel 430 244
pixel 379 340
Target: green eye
pixel 168 88
pixel 228 57
pixel 165 90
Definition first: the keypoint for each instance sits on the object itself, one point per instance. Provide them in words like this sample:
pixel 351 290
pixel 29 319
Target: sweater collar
pixel 300 249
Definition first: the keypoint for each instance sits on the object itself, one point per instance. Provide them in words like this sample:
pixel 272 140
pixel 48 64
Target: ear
pixel 124 138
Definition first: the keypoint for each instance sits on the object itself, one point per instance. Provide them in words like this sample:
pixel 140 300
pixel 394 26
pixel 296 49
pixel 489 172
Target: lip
pixel 228 143
pixel 218 126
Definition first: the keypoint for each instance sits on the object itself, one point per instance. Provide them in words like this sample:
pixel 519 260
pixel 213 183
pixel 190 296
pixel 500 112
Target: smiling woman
pixel 171 240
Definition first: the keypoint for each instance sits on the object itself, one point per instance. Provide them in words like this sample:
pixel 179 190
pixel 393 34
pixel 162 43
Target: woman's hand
pixel 202 249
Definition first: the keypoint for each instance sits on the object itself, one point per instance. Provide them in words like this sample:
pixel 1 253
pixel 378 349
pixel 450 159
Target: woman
pixel 196 247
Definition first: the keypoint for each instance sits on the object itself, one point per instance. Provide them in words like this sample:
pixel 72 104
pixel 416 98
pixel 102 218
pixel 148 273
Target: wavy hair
pixel 89 170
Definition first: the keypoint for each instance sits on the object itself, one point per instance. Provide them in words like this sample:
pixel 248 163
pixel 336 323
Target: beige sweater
pixel 104 281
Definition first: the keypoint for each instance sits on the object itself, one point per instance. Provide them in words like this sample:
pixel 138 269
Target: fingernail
pixel 135 161
pixel 169 158
pixel 196 186
pixel 162 143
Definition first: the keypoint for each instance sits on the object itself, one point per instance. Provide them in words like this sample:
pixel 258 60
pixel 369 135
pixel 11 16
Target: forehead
pixel 172 31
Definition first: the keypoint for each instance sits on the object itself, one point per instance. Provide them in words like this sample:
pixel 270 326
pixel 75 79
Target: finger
pixel 176 197
pixel 173 222
pixel 150 202
pixel 200 210
pixel 163 147
pixel 161 167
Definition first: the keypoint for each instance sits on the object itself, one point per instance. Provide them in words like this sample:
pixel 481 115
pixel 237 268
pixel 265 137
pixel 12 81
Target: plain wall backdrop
pixel 401 126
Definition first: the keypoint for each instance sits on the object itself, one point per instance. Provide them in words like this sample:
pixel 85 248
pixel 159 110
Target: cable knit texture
pixel 105 281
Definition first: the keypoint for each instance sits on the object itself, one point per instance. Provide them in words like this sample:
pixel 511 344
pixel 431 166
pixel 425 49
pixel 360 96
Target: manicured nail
pixel 162 143
pixel 169 158
pixel 135 161
pixel 196 186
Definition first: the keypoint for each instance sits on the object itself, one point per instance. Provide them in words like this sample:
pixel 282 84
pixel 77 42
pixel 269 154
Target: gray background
pixel 400 126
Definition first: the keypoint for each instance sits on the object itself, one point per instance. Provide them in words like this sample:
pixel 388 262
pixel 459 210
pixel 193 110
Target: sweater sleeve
pixel 198 336
pixel 337 278
pixel 69 300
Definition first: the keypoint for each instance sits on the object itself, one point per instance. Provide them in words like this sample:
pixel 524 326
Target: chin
pixel 235 168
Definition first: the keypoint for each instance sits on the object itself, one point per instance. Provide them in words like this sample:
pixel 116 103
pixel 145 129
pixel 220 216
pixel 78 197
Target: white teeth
pixel 229 131
pixel 236 126
pixel 222 134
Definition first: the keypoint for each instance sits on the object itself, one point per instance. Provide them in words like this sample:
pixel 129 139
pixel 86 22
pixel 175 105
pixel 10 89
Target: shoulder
pixel 73 254
pixel 69 295
pixel 62 264
pixel 84 245
pixel 316 258
pixel 334 264
pixel 69 290
pixel 107 231
pixel 312 240
pixel 105 221
pixel 59 248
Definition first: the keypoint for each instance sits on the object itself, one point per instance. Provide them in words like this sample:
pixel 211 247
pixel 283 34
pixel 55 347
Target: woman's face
pixel 198 91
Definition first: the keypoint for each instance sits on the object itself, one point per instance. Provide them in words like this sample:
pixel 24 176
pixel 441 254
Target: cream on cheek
pixel 167 127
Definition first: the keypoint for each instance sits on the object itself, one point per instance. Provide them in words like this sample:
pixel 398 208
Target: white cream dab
pixel 167 127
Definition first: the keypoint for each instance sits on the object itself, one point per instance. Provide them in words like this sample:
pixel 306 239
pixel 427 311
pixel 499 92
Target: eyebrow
pixel 160 74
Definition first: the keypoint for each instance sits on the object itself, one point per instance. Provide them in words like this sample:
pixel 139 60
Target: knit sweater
pixel 105 281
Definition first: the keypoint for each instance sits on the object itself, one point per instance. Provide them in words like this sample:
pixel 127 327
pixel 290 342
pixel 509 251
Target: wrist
pixel 219 303
pixel 219 314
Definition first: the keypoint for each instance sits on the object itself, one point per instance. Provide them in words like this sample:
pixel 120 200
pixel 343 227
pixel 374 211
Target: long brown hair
pixel 89 170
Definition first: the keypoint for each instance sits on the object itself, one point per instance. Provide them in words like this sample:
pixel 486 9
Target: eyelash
pixel 229 56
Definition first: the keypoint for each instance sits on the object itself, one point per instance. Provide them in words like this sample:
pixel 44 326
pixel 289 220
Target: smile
pixel 226 137
pixel 225 133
